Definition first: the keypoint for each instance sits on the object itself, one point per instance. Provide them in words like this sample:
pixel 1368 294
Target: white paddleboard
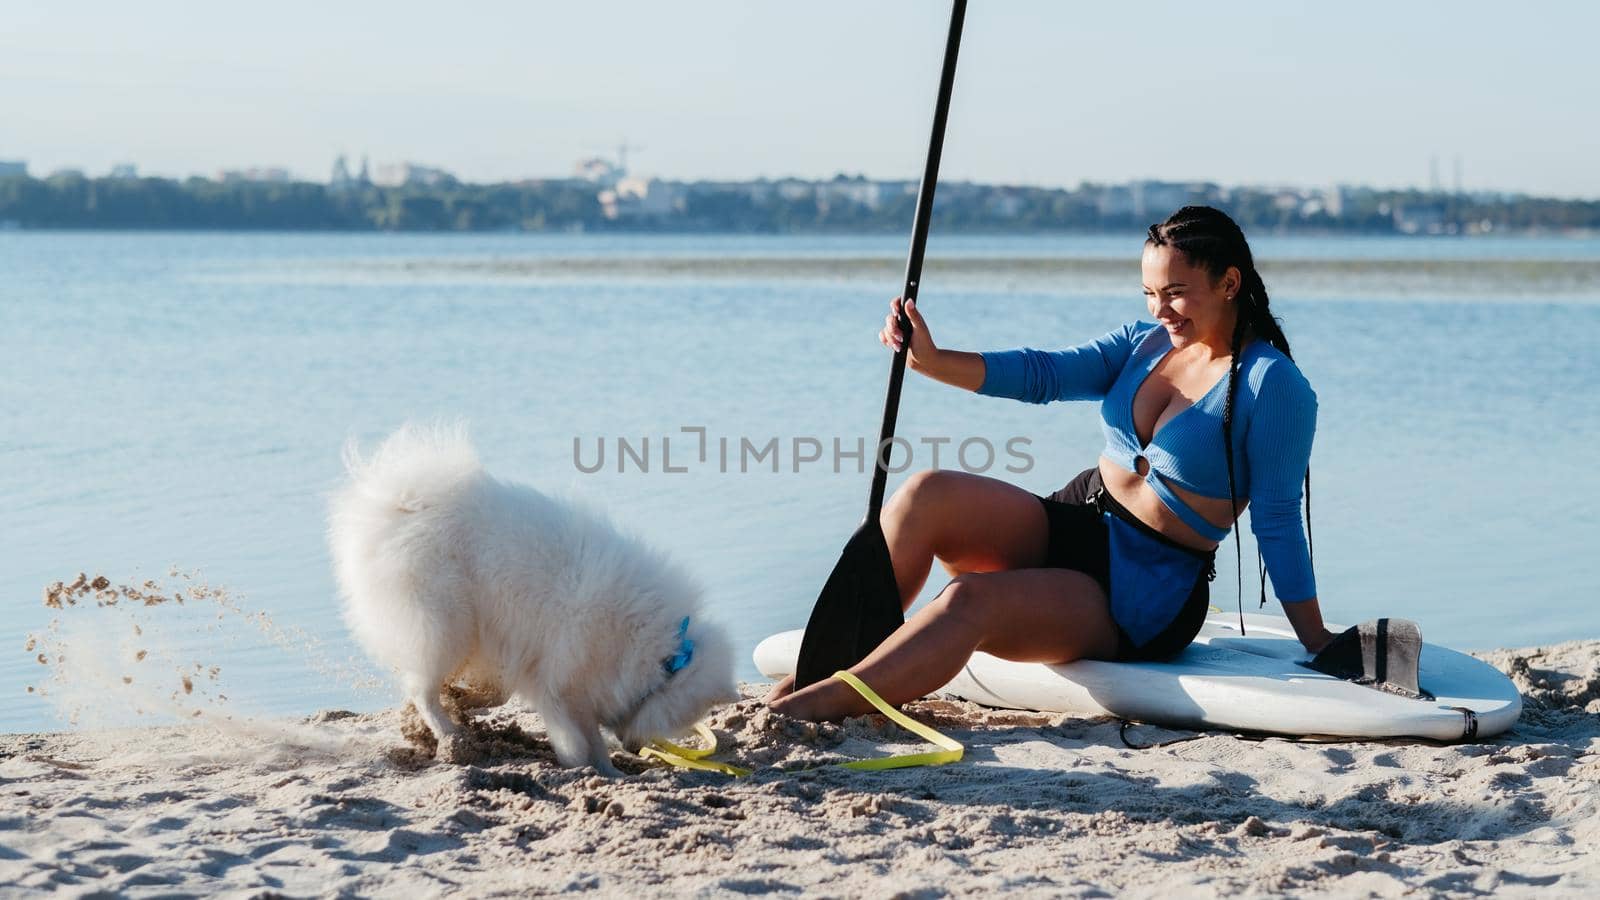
pixel 1225 681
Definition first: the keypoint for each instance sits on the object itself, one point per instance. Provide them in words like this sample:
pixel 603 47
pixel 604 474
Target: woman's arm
pixel 1283 423
pixel 1084 372
pixel 1306 617
pixel 957 367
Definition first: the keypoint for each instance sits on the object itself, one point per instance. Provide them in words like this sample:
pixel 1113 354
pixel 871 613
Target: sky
pixel 1047 93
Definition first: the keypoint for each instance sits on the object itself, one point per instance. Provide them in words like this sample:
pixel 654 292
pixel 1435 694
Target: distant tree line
pixel 74 201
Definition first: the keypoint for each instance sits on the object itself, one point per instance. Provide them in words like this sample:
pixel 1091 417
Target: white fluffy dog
pixel 448 573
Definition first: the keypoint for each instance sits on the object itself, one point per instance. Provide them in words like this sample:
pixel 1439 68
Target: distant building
pixel 255 174
pixel 958 192
pixel 1114 201
pixel 1421 218
pixel 643 199
pixel 757 191
pixel 124 171
pixel 1004 203
pixel 1341 200
pixel 1155 200
pixel 12 168
pixel 599 171
pixel 1334 200
pixel 411 175
pixel 870 194
pixel 793 190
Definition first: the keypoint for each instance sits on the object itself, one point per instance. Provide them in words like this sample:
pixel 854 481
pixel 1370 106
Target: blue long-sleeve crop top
pixel 1274 417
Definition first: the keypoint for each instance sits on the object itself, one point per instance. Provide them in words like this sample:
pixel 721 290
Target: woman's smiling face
pixel 1186 300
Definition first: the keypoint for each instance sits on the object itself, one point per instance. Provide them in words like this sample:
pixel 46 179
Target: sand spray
pixel 157 652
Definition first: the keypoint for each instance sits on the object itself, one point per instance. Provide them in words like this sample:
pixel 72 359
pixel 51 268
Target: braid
pixel 1262 322
pixel 1236 349
pixel 1208 238
pixel 1254 310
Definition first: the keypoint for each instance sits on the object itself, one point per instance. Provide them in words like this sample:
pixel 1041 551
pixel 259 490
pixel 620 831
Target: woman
pixel 1116 564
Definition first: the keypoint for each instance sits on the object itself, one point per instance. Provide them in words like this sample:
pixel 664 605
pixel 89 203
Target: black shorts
pixel 1079 540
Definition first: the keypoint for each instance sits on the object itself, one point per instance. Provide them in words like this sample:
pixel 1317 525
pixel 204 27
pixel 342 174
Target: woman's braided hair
pixel 1210 240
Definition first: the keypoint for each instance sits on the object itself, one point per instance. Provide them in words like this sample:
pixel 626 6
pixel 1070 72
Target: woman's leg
pixel 1028 615
pixel 971 523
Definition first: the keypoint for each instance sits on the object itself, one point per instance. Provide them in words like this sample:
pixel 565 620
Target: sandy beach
pixel 344 804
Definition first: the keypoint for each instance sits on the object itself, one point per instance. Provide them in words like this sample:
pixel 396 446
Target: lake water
pixel 181 399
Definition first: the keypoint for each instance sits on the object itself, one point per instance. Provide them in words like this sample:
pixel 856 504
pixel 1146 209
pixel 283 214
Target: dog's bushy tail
pixel 384 533
pixel 412 469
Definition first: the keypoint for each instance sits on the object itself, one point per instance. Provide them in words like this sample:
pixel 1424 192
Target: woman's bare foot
pixel 782 689
pixel 829 700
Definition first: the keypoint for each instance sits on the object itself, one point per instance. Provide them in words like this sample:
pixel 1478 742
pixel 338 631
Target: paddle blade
pixel 858 608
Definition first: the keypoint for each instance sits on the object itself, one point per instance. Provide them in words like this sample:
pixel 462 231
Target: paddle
pixel 860 603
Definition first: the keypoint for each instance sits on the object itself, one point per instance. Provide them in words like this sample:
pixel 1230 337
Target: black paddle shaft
pixel 919 242
pixel 859 605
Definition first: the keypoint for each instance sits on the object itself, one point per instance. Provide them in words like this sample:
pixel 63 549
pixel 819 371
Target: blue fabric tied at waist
pixel 1150 581
pixel 1151 578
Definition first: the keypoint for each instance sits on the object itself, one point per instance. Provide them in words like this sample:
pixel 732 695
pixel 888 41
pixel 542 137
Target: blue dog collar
pixel 678 661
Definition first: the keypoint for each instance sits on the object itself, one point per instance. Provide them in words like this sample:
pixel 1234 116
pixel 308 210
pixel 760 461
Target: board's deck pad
pixel 1250 682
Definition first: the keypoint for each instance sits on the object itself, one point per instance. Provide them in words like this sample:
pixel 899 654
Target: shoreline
pixel 1042 805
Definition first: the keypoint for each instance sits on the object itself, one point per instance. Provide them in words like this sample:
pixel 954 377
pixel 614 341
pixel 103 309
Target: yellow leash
pixel 688 758
pixel 692 758
pixel 952 749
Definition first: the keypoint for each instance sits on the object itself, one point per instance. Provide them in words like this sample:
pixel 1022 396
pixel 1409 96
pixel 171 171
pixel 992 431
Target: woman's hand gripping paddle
pixel 860 604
